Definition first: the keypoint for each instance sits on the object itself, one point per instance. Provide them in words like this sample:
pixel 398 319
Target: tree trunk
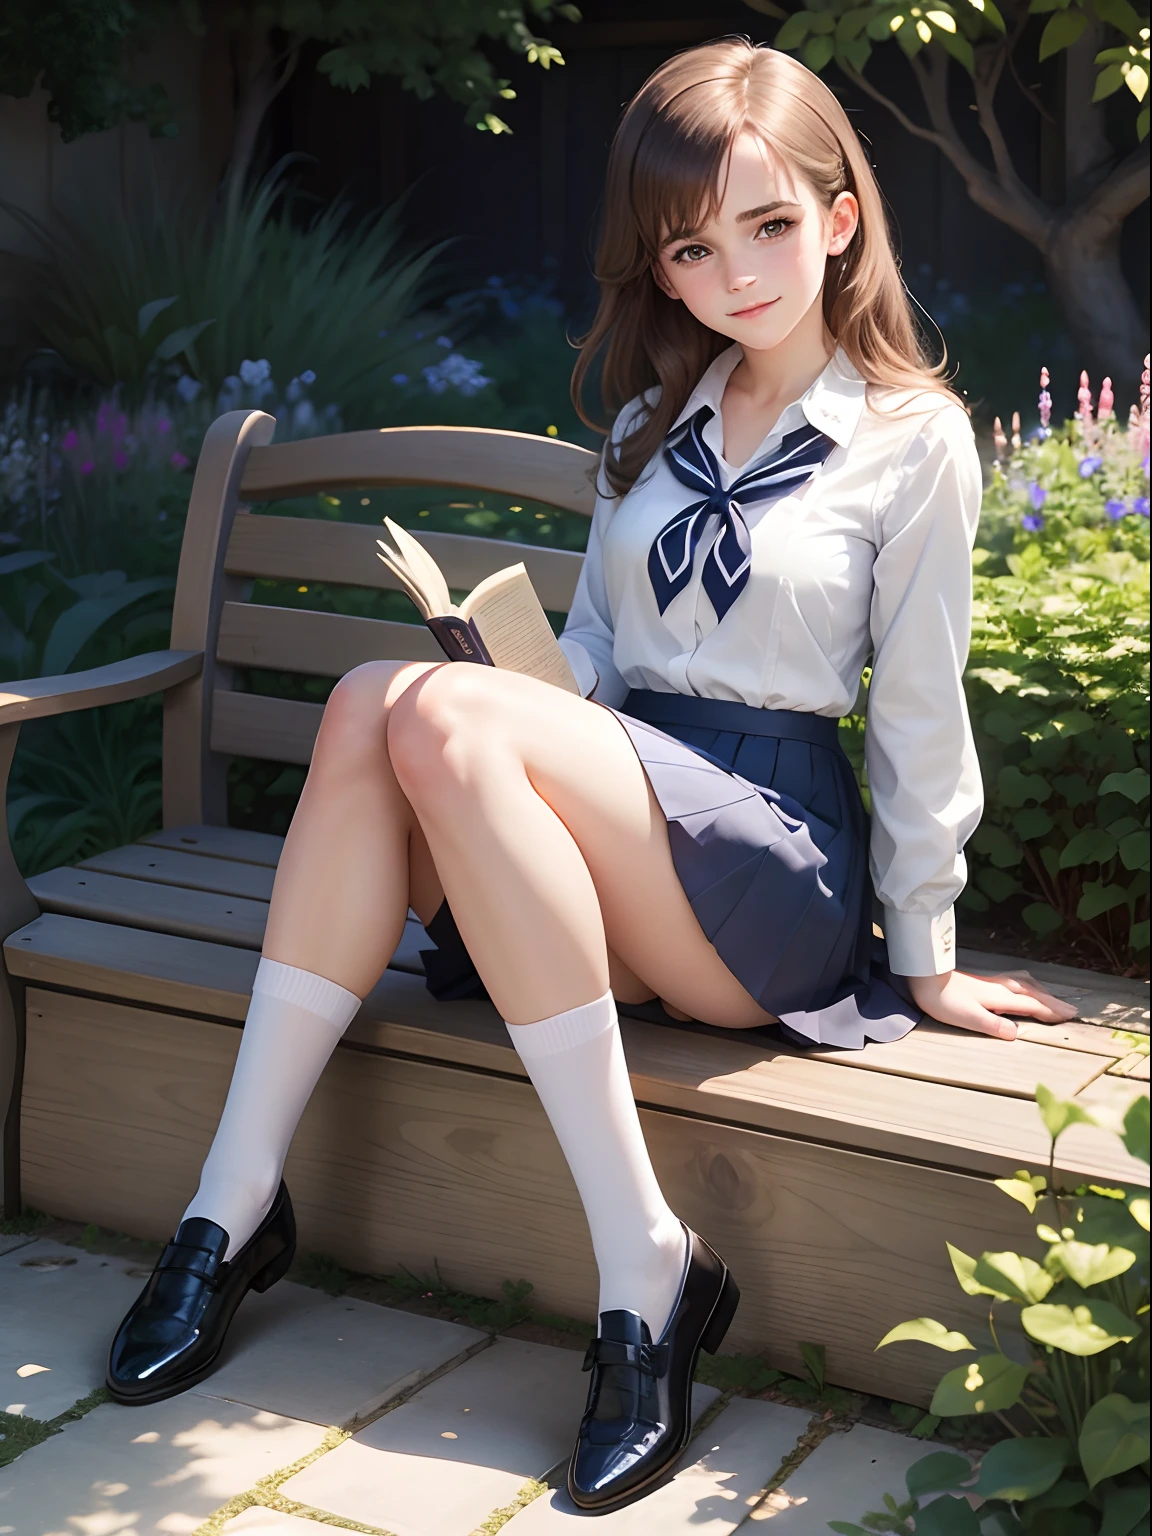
pixel 1099 306
pixel 261 73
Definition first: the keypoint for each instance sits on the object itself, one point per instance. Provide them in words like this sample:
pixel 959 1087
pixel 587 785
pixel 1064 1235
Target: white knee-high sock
pixel 294 1020
pixel 576 1063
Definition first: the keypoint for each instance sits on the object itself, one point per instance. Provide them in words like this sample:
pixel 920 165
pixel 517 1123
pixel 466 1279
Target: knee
pixel 355 716
pixel 441 731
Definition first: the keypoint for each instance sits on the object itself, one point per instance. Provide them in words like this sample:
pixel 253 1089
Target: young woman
pixel 788 491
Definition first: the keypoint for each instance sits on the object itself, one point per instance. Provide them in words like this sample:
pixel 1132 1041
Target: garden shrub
pixel 1057 684
pixel 1075 1462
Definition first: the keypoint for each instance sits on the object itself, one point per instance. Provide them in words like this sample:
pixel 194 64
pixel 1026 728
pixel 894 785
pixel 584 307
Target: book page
pixel 415 568
pixel 514 628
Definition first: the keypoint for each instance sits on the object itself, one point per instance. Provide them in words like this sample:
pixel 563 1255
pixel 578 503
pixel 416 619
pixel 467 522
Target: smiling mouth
pixel 753 309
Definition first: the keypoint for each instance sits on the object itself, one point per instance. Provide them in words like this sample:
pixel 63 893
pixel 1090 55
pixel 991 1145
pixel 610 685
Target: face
pixel 757 268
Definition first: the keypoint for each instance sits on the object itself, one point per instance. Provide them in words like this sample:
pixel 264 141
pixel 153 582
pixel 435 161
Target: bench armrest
pixel 134 678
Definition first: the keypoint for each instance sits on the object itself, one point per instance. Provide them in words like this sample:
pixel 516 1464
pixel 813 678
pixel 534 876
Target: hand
pixel 976 1002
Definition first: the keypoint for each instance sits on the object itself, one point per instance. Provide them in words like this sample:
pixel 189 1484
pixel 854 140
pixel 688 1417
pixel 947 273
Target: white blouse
pixel 872 557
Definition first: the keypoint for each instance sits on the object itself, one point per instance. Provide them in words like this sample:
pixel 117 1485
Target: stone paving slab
pixel 465 1445
pixel 155 1471
pixel 12 1240
pixel 259 1521
pixel 723 1476
pixel 298 1352
pixel 845 1477
pixel 60 1307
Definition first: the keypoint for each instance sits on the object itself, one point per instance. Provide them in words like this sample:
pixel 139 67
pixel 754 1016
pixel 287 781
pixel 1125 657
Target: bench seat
pixel 831 1180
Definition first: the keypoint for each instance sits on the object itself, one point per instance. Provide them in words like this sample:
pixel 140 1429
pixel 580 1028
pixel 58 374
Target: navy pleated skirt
pixel 769 838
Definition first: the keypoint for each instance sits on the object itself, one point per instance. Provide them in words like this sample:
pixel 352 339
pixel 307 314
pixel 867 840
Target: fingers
pixel 982 1022
pixel 1048 1012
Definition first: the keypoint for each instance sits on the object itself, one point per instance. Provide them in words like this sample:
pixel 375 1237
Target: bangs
pixel 679 162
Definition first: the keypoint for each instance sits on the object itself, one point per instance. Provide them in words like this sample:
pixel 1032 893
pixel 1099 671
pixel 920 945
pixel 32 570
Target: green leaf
pixel 997 847
pixel 942 1472
pixel 996 883
pixel 1136 1129
pixel 1133 784
pixel 959 47
pixel 857 53
pixel 1090 1263
pixel 1099 898
pixel 181 340
pixel 1041 918
pixel 1108 82
pixel 1113 1437
pixel 1017 788
pixel 1134 850
pixel 926 1330
pixel 1061 32
pixel 1091 845
pixel 148 313
pixel 817 52
pixel 992 14
pixel 850 25
pixel 987 1385
pixel 1138 935
pixel 1125 1506
pixel 794 31
pixel 1075 789
pixel 1032 822
pixel 1023 1186
pixel 947 1517
pixel 1021 1468
pixel 1120 15
pixel 1086 1329
pixel 965 1269
pixel 1021 1279
pixel 813 1356
pixel 1059 1114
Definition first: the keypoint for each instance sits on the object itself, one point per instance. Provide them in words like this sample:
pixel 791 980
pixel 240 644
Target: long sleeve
pixel 923 771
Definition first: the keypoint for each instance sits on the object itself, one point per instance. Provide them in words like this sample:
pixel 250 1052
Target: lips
pixel 752 311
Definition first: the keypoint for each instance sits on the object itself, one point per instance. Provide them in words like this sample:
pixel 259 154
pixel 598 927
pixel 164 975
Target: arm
pixel 922 766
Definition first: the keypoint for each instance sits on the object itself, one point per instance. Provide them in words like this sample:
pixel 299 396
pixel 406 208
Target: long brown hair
pixel 664 176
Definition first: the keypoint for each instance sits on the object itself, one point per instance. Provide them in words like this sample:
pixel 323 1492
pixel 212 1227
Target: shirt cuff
pixel 920 945
pixel 581 663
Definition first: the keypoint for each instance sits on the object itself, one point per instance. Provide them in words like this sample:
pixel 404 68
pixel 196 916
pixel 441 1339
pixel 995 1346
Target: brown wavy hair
pixel 664 180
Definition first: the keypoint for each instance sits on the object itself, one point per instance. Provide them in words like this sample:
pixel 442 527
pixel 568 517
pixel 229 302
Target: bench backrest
pixel 206 721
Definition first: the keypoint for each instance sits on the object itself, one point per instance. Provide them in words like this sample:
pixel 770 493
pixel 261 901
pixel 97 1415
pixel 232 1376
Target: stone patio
pixel 336 1413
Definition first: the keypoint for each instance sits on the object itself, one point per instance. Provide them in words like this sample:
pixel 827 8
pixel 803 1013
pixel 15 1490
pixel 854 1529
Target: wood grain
pixel 172 866
pixel 1120 1002
pixel 137 903
pixel 253 725
pixel 515 463
pixel 35 698
pixel 400 1163
pixel 309 549
pixel 737 1081
pixel 318 644
pixel 221 842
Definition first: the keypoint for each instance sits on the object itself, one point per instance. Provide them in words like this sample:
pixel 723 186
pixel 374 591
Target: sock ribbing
pixel 563 1031
pixel 304 989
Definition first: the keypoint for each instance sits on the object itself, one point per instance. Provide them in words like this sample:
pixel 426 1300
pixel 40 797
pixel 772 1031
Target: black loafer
pixel 174 1331
pixel 639 1414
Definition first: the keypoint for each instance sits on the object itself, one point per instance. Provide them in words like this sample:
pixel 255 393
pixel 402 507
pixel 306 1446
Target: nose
pixel 738 282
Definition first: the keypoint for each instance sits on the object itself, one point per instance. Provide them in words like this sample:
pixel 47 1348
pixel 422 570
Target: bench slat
pixel 221 842
pixel 312 549
pixel 482 458
pixel 319 644
pixel 736 1081
pixel 172 866
pixel 254 725
pixel 167 909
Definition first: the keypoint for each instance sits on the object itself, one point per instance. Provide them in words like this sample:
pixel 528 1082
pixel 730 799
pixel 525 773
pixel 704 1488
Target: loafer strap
pixel 186 1259
pixel 651 1359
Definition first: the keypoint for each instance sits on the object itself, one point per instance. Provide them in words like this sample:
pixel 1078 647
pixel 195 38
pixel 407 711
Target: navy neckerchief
pixel 727 563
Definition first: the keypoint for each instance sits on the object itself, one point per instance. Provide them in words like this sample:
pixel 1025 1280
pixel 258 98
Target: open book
pixel 499 624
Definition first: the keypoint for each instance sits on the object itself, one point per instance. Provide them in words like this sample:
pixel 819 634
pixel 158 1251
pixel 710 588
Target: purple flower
pixel 1140 505
pixel 120 459
pixel 1089 465
pixel 178 461
pixel 70 440
pixel 87 467
pixel 1032 521
pixel 163 425
pixel 1115 508
pixel 307 377
pixel 399 378
pixel 1037 495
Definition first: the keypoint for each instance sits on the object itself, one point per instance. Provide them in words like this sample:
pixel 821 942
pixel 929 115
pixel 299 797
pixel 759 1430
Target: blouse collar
pixel 833 404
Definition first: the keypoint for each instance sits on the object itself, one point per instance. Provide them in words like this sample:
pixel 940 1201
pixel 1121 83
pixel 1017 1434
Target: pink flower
pixel 70 441
pixel 86 467
pixel 1107 401
pixel 1045 401
pixel 178 461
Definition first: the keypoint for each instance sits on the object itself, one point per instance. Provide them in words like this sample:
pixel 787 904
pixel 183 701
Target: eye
pixel 772 229
pixel 690 254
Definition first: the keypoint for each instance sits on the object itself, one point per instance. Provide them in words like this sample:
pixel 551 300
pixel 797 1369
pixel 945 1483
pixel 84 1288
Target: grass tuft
pixel 28 1221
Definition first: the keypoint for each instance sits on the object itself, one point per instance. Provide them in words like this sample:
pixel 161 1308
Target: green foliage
pixel 79 52
pixel 322 1273
pixel 1057 686
pixel 846 32
pixel 1076 1408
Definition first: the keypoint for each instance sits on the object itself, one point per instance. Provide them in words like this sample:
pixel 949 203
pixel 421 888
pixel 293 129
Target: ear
pixel 845 220
pixel 660 279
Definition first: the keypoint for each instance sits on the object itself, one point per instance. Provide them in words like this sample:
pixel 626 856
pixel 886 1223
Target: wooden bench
pixel 830 1180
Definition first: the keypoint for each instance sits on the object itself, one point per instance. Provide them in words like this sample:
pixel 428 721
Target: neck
pixel 777 376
